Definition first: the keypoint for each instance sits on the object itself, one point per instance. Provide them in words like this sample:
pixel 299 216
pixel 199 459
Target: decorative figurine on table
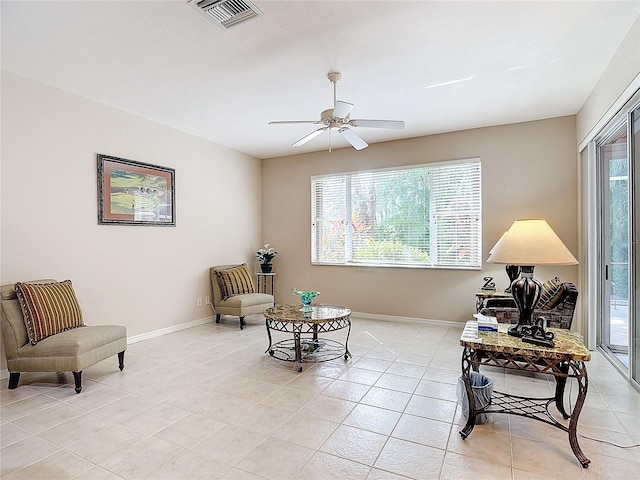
pixel 306 297
pixel 489 284
pixel 537 333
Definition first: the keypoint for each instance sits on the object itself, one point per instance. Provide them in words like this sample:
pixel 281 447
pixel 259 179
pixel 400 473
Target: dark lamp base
pixel 526 293
pixel 513 271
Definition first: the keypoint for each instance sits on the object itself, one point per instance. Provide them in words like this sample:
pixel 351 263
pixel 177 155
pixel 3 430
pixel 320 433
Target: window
pixel 425 215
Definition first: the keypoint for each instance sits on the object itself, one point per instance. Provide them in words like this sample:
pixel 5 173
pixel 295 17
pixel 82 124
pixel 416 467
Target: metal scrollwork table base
pixel 565 360
pixel 306 345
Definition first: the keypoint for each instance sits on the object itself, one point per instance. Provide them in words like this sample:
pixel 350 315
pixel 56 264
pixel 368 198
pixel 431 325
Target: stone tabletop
pixel 568 344
pixel 492 293
pixel 318 314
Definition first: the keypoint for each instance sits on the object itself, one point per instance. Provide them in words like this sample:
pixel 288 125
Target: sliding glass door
pixel 635 246
pixel 614 168
pixel 617 158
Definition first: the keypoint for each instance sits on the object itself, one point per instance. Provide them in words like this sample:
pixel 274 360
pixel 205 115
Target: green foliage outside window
pixel 619 226
pixel 424 215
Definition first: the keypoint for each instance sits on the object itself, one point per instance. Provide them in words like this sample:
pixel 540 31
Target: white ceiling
pixel 439 66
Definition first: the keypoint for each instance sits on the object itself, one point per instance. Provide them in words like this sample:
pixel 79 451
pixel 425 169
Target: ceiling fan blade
pixel 342 109
pixel 308 137
pixel 293 121
pixel 397 124
pixel 355 141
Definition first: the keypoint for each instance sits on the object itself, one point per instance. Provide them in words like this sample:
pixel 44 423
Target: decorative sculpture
pixel 489 284
pixel 537 333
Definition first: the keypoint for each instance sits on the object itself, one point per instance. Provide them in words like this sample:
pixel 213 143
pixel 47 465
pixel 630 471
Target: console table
pixel 306 345
pixel 565 360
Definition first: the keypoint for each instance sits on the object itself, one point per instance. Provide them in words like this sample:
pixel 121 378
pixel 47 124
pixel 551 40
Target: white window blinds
pixel 426 215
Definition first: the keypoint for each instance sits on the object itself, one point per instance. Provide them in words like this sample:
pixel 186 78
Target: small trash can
pixel 482 388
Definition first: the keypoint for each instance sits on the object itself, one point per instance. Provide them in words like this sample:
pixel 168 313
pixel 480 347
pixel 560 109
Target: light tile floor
pixel 207 403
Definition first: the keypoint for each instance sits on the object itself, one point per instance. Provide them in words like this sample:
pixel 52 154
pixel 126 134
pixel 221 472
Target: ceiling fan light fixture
pixel 339 118
pixel 342 109
pixel 326 116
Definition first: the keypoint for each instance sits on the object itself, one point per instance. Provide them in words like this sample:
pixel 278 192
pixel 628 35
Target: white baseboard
pixel 4 373
pixel 167 330
pixel 396 318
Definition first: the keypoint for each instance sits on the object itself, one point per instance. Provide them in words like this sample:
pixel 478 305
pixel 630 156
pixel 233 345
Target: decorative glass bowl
pixel 306 297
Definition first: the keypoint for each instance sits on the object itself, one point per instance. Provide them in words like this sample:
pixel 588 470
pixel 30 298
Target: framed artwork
pixel 135 193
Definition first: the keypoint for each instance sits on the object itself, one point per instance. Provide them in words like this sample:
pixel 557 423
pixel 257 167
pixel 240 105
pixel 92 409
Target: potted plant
pixel 265 256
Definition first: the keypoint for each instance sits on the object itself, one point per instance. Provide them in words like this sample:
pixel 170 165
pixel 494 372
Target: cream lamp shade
pixel 491 251
pixel 531 242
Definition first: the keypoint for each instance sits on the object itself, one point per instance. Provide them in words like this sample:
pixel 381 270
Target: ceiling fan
pixel 338 118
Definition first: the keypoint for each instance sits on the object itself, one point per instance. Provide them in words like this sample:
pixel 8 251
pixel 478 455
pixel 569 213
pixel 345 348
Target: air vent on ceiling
pixel 227 13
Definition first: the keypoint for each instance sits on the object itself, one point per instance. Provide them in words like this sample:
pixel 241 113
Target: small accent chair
pixel 234 293
pixel 47 349
pixel 557 304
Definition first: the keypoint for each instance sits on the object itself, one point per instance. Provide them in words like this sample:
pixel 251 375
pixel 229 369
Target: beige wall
pixel 146 278
pixel 528 171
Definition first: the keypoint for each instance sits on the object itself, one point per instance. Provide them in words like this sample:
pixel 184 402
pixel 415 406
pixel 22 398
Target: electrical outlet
pixel 199 302
pixel 207 300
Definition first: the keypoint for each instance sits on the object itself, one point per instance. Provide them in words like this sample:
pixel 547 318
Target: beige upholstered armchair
pixel 53 337
pixel 234 293
pixel 557 304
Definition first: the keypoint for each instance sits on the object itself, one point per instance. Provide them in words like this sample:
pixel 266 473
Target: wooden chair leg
pixel 218 318
pixel 77 377
pixel 121 360
pixel 14 378
pixel 241 323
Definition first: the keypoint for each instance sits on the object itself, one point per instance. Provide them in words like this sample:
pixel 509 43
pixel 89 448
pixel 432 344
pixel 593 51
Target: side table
pixel 483 295
pixel 265 282
pixel 498 349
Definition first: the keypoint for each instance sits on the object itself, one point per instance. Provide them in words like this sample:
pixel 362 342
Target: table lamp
pixel 528 243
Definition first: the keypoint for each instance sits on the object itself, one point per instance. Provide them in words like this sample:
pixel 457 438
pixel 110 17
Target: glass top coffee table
pixel 306 345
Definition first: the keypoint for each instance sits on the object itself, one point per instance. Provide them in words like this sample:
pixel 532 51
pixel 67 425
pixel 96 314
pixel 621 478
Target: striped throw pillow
pixel 235 281
pixel 551 294
pixel 48 308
